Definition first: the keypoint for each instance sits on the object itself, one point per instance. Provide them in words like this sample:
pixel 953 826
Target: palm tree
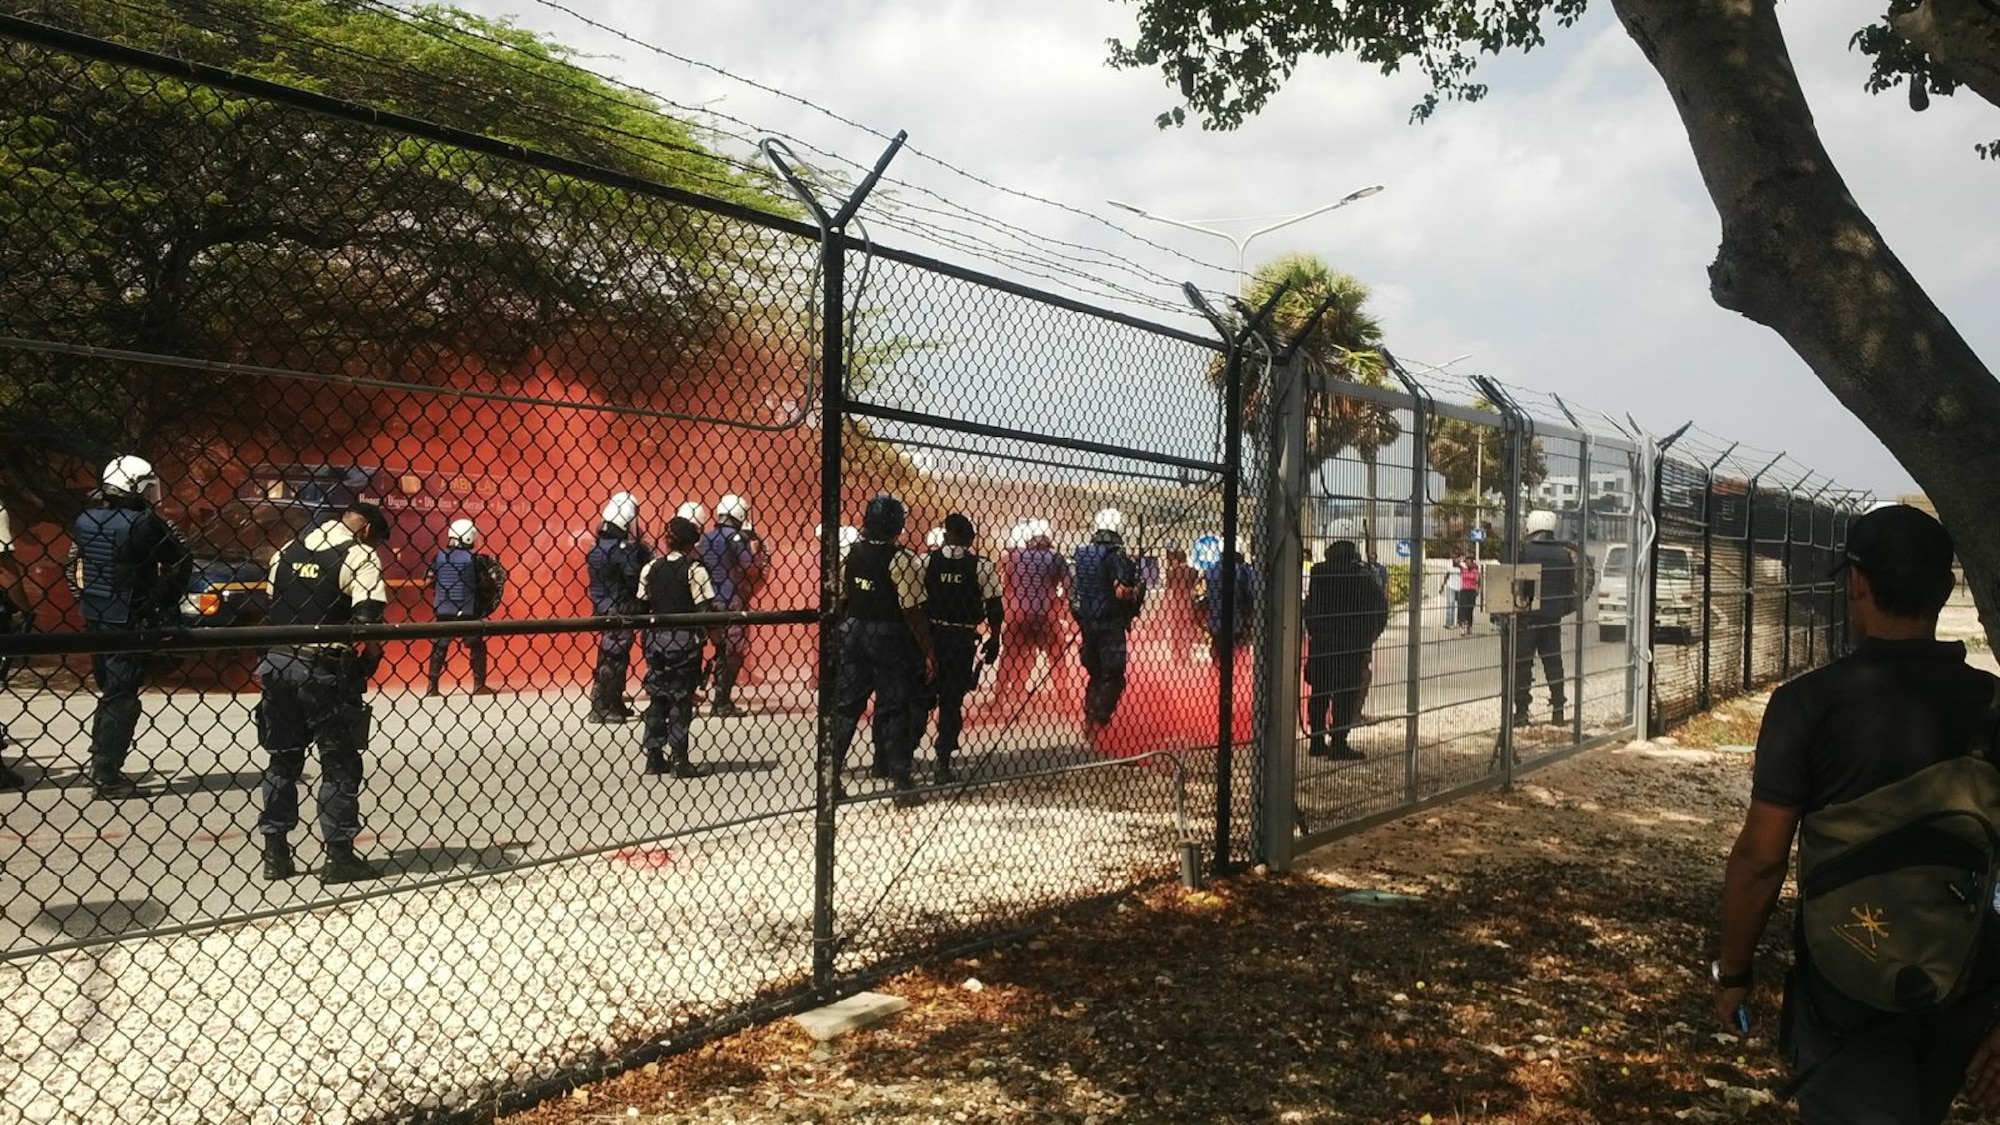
pixel 1343 345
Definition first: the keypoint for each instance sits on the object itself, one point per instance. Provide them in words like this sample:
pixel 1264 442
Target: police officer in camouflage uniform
pixel 130 570
pixel 961 590
pixel 313 693
pixel 885 651
pixel 676 582
pixel 614 563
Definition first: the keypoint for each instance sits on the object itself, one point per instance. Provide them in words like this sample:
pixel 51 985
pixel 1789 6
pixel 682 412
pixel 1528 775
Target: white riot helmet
pixel 935 538
pixel 693 512
pixel 621 510
pixel 1345 529
pixel 1112 520
pixel 131 476
pixel 733 507
pixel 461 533
pixel 1018 537
pixel 1541 522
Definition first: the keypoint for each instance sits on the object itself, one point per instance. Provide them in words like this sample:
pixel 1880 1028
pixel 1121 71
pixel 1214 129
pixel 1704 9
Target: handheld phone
pixel 1741 1019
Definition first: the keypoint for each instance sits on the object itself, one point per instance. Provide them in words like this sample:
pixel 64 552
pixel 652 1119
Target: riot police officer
pixel 961 589
pixel 614 562
pixel 676 582
pixel 886 646
pixel 1346 613
pixel 1540 632
pixel 464 587
pixel 1225 642
pixel 130 570
pixel 732 560
pixel 1105 596
pixel 313 693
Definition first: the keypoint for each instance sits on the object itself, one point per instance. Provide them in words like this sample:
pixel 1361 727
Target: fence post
pixel 1750 577
pixel 1584 566
pixel 1420 454
pixel 1238 339
pixel 1518 432
pixel 1706 695
pixel 1280 547
pixel 1791 586
pixel 1658 457
pixel 833 415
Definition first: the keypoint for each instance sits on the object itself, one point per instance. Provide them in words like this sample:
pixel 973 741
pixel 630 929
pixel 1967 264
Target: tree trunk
pixel 1798 255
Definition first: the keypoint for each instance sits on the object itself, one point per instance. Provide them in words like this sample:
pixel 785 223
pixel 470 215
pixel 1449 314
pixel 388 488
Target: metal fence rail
pixel 451 327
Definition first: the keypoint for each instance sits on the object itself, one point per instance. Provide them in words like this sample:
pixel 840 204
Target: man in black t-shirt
pixel 1901 702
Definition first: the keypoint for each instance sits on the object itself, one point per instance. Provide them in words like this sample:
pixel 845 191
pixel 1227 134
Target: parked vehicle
pixel 232 558
pixel 1677 615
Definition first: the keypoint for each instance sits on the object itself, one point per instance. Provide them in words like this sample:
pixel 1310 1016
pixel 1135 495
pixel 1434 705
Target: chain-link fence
pixel 467 650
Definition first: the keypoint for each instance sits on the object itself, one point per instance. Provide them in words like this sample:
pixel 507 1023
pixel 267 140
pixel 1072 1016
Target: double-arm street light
pixel 1242 243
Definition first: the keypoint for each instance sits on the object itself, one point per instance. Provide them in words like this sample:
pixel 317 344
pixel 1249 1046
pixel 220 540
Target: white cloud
pixel 1558 230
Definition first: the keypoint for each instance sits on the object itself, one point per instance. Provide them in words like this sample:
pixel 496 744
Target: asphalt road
pixel 461 784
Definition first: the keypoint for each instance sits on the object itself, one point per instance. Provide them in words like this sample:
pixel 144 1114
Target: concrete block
pixel 863 1009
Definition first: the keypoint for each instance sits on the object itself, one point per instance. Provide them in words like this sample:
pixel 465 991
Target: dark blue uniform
pixel 878 657
pixel 1102 571
pixel 614 562
pixel 313 695
pixel 1541 632
pixel 956 603
pixel 673 660
pixel 131 571
pixel 1346 612
pixel 454 575
pixel 1223 645
pixel 729 556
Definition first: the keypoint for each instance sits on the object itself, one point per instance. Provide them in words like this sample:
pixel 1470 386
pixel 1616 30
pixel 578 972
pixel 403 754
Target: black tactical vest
pixel 667 586
pixel 306 588
pixel 952 588
pixel 109 587
pixel 871 593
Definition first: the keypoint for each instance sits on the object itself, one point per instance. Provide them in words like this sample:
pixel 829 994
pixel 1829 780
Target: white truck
pixel 1677 615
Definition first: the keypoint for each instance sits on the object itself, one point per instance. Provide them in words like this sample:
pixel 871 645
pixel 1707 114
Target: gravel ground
pixel 1545 970
pixel 385 1006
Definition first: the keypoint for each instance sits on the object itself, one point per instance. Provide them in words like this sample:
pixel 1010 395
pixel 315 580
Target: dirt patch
pixel 1547 971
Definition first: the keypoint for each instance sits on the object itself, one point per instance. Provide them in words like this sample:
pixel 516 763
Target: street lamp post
pixel 1242 244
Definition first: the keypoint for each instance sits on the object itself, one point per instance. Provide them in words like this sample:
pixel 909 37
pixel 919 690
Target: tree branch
pixel 1963 36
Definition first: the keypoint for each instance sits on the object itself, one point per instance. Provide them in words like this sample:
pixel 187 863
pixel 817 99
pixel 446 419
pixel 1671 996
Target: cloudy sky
pixel 1556 232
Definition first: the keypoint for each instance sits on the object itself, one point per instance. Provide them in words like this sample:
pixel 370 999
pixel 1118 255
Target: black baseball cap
pixel 378 524
pixel 1898 539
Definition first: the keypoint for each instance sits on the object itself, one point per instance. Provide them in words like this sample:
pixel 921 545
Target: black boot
pixel 343 866
pixel 1558 718
pixel 278 859
pixel 656 763
pixel 112 785
pixel 907 796
pixel 726 709
pixel 685 769
pixel 10 779
pixel 944 774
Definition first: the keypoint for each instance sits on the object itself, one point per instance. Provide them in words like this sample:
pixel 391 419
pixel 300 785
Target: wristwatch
pixel 1733 980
